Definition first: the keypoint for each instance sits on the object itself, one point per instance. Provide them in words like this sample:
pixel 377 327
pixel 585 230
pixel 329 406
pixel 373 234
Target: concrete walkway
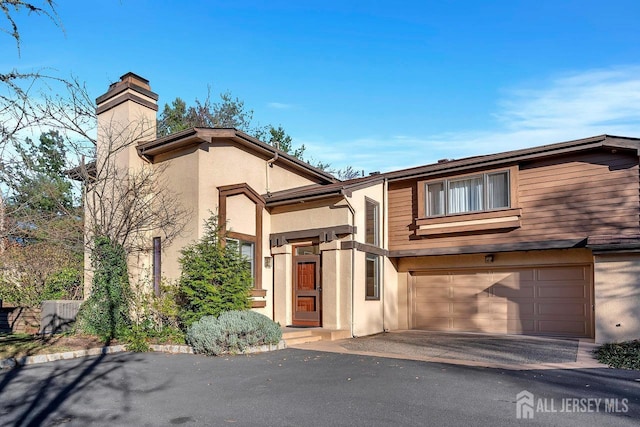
pixel 514 352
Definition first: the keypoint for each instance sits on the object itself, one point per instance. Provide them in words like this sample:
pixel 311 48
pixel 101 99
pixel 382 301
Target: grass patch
pixel 625 355
pixel 19 345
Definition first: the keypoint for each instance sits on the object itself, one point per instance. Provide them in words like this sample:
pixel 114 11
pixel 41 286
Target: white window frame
pixel 376 221
pixel 369 257
pixel 252 259
pixel 485 189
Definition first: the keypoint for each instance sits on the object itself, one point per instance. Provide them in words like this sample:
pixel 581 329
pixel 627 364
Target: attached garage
pixel 552 300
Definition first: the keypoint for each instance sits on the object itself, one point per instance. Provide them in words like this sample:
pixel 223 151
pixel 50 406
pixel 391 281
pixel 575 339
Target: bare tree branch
pixel 129 204
pixel 11 7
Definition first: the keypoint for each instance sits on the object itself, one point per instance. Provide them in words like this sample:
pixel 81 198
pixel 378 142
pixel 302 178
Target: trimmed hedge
pixel 232 332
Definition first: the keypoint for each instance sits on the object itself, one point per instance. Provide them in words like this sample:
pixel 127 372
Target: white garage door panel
pixel 552 300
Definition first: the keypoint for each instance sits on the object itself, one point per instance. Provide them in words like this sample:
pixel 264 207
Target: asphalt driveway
pixel 305 388
pixel 472 347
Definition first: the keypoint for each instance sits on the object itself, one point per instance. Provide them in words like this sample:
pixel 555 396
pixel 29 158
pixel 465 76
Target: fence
pixel 19 320
pixel 55 316
pixel 58 315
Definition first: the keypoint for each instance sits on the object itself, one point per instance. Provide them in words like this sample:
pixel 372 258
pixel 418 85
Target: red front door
pixel 307 304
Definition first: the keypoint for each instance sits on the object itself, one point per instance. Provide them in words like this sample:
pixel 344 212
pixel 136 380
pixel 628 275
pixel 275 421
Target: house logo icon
pixel 524 405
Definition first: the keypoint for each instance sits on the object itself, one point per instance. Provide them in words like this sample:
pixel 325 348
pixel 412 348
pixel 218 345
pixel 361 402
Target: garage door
pixel 553 300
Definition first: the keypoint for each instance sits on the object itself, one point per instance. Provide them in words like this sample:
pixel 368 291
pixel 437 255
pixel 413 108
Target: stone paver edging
pixel 174 349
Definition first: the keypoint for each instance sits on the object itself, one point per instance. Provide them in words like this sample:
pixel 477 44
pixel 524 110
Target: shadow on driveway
pixel 483 348
pixel 296 387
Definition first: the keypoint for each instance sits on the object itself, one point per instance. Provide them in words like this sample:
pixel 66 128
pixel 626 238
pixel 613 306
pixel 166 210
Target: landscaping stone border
pixel 173 349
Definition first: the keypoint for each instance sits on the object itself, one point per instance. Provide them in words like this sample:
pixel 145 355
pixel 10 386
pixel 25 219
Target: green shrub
pixel 136 339
pixel 154 318
pixel 36 272
pixel 232 332
pixel 65 283
pixel 215 278
pixel 625 355
pixel 106 312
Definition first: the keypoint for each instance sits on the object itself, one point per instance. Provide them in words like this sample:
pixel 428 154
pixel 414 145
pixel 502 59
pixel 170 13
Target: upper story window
pixel 476 193
pixel 372 223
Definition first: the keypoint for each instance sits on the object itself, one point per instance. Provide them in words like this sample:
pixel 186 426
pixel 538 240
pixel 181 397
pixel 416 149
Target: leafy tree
pixel 40 204
pixel 278 138
pixel 42 225
pixel 229 112
pixel 175 118
pixel 215 277
pixel 36 180
pixel 30 274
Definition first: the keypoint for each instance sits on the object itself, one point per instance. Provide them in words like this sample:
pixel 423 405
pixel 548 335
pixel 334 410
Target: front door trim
pixel 314 295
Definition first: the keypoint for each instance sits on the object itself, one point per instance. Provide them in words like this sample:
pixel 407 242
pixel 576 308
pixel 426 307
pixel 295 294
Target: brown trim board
pixel 234 190
pixel 126 97
pixel 511 247
pixel 364 247
pixel 326 234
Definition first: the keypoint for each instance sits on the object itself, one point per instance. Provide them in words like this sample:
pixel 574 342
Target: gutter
pixel 270 163
pixel 353 264
pixel 293 201
pixel 459 165
pixel 384 246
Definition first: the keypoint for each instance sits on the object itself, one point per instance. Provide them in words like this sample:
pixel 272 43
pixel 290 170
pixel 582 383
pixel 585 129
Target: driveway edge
pixel 171 349
pixel 584 359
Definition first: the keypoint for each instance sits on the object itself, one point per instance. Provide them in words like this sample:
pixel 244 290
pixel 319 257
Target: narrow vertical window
pixel 372 223
pixel 247 250
pixel 157 264
pixel 372 281
pixel 497 190
pixel 435 199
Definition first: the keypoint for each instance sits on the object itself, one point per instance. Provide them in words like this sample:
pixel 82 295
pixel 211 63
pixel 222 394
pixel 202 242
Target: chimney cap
pixel 139 92
pixel 133 79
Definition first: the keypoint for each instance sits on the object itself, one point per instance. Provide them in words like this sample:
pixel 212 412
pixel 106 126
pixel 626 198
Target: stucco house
pixel 540 241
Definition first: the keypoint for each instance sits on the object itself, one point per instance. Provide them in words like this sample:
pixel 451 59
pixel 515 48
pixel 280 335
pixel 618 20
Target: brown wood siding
pixel 561 199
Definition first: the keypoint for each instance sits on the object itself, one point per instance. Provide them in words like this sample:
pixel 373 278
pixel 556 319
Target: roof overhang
pixel 517 156
pixel 614 243
pixel 320 192
pixel 196 136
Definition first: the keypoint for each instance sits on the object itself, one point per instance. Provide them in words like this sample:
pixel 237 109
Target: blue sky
pixel 371 84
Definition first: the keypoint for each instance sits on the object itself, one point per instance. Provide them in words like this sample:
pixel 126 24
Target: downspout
pixel 270 163
pixel 353 262
pixel 384 246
